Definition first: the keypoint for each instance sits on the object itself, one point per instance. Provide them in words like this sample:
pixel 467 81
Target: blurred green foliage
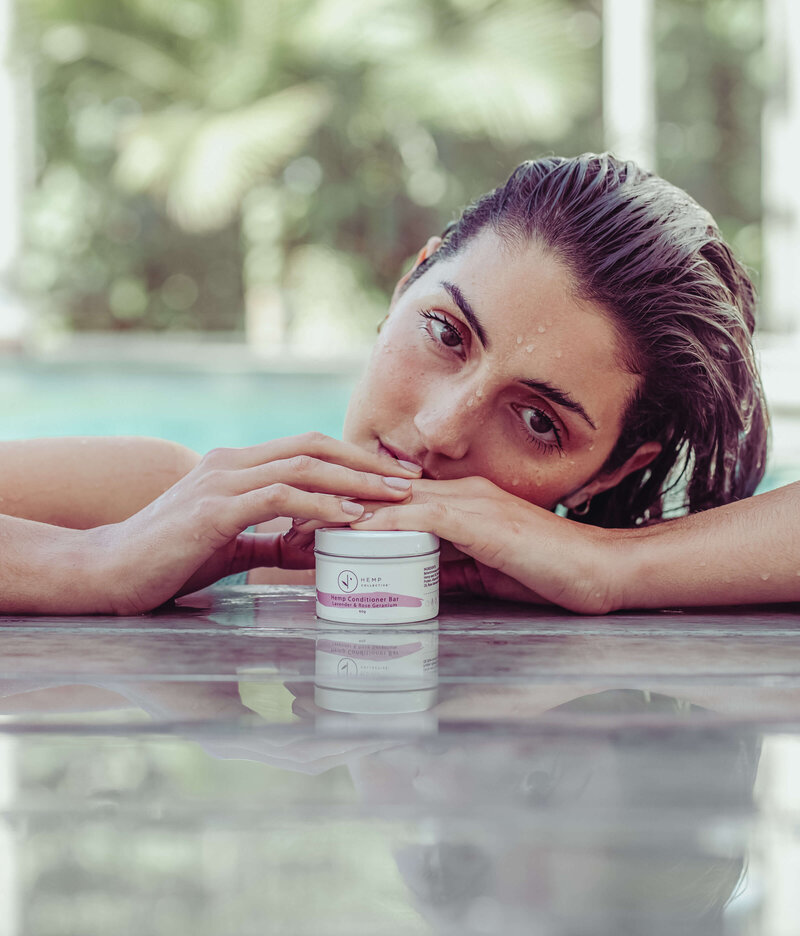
pixel 710 81
pixel 197 158
pixel 194 152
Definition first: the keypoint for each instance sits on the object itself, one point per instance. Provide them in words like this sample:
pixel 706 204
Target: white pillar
pixel 13 174
pixel 628 81
pixel 777 854
pixel 9 881
pixel 780 178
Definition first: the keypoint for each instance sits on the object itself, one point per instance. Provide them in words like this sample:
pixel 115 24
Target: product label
pixel 368 600
pixel 378 589
pixel 377 662
pixel 367 651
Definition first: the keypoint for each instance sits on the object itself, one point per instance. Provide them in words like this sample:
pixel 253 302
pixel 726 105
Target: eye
pixel 541 426
pixel 440 330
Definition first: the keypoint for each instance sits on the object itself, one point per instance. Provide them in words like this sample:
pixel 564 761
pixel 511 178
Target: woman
pixel 581 336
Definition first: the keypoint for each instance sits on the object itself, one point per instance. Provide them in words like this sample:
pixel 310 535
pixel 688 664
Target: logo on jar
pixel 347 667
pixel 348 581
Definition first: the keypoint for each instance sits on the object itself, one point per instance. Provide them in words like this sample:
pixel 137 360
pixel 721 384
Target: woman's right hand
pixel 193 534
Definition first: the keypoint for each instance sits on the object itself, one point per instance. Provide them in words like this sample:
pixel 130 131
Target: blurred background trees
pixel 272 164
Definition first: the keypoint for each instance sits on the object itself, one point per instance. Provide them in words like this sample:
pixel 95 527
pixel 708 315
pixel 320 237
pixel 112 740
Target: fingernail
pixel 402 483
pixel 367 515
pixel 300 523
pixel 355 510
pixel 410 465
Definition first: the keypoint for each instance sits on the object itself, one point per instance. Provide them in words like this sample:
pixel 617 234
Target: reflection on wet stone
pixel 371 670
pixel 232 761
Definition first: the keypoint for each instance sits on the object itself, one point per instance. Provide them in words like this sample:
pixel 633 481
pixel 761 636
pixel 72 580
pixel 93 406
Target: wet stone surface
pixel 232 765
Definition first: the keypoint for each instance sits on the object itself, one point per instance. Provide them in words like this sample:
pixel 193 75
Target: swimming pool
pixel 203 408
pixel 200 409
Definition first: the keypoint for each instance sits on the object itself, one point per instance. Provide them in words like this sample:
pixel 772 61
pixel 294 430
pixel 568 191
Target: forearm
pixel 83 482
pixel 52 570
pixel 742 553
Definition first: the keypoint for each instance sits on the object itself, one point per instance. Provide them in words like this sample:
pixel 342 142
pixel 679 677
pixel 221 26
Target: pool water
pixel 205 409
pixel 199 409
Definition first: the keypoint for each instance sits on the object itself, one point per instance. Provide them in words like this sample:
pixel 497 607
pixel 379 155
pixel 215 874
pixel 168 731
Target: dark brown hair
pixel 684 306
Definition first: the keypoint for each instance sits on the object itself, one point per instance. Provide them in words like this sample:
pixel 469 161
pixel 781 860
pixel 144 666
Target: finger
pixel 303 532
pixel 282 500
pixel 449 553
pixel 316 445
pixel 300 537
pixel 296 555
pixel 431 517
pixel 469 576
pixel 464 529
pixel 254 550
pixel 313 474
pixel 459 576
pixel 307 525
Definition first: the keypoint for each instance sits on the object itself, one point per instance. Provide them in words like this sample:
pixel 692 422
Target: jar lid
pixel 374 544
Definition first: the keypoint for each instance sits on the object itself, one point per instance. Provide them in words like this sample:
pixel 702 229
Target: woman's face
pixel 489 365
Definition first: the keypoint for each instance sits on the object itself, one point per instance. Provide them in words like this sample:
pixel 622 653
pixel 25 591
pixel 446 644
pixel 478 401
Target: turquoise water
pixel 201 410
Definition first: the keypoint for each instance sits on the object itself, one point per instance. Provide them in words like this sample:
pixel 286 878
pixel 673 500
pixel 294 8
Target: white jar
pixel 377 577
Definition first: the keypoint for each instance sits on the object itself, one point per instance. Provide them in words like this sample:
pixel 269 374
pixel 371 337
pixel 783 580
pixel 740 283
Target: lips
pixel 395 452
pixel 399 453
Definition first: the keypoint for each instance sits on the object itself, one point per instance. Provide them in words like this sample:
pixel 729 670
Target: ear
pixel 641 458
pixel 430 248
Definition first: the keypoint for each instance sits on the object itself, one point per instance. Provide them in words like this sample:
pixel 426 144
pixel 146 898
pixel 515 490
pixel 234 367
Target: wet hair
pixel 684 309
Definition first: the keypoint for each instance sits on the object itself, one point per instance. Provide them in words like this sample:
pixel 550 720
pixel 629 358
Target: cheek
pixel 542 480
pixel 385 389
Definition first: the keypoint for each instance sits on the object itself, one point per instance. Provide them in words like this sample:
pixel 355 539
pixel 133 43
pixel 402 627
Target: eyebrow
pixel 559 397
pixel 467 311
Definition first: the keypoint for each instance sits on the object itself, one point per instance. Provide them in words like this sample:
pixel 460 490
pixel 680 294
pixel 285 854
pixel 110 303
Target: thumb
pixel 467 575
pixel 460 575
pixel 254 550
pixel 272 549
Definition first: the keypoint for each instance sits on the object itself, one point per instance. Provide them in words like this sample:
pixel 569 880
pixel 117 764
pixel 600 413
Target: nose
pixel 446 420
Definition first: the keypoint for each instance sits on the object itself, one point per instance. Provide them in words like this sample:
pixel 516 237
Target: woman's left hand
pixel 509 548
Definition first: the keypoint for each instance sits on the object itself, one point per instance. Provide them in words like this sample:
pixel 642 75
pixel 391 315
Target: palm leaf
pixel 203 163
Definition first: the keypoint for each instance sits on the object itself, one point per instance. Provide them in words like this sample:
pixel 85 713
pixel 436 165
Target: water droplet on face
pixel 519 339
pixel 764 576
pixel 541 329
pixel 591 447
pixel 529 348
pixel 470 401
pixel 514 482
pixel 479 393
